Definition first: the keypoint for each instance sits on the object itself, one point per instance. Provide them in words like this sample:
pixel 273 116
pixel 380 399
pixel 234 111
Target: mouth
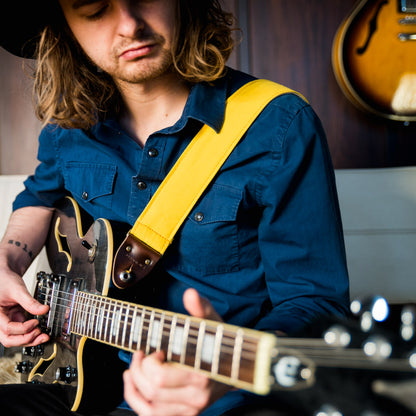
pixel 136 52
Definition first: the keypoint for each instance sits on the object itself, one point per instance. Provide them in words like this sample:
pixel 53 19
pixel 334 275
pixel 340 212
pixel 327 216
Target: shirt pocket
pixel 90 183
pixel 207 243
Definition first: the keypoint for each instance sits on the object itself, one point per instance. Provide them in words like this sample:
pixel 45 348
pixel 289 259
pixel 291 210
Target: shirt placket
pixel 145 182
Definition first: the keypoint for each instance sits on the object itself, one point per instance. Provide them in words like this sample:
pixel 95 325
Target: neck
pixel 152 105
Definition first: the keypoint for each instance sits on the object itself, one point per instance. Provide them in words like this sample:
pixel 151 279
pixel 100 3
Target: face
pixel 131 40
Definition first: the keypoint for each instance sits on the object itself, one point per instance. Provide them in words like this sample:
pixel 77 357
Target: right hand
pixel 15 302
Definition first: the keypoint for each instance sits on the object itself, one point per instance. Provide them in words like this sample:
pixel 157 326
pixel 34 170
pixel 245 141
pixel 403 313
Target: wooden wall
pixel 288 41
pixel 19 128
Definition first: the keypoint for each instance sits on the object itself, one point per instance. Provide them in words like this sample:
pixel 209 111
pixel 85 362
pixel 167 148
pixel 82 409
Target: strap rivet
pixel 128 249
pixel 147 262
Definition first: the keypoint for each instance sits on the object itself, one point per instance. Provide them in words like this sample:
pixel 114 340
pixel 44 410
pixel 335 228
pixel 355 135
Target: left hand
pixel 153 387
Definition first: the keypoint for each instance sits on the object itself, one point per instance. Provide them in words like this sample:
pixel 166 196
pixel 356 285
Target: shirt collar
pixel 206 103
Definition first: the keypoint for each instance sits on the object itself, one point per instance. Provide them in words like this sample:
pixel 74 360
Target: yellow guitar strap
pixel 155 228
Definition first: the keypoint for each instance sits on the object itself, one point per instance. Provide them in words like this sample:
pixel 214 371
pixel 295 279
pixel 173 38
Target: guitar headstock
pixel 360 365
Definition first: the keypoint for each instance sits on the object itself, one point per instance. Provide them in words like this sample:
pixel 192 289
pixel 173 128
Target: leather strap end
pixel 133 261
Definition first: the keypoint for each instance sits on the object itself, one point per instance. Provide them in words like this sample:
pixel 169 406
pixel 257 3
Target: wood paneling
pixel 288 41
pixel 19 128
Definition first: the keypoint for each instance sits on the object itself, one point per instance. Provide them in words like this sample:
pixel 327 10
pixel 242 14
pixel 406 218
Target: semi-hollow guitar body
pixel 374 58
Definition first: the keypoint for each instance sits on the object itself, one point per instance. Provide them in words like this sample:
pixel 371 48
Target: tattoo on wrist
pixel 22 246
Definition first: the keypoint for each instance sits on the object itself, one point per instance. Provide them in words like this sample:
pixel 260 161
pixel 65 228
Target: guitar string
pixel 193 331
pixel 288 343
pixel 304 343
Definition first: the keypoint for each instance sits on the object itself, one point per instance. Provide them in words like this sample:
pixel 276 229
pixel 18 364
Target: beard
pixel 141 69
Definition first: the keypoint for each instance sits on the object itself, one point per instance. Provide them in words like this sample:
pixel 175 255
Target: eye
pixel 97 14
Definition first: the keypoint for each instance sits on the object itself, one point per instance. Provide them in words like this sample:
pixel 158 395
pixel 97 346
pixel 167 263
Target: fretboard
pixel 230 354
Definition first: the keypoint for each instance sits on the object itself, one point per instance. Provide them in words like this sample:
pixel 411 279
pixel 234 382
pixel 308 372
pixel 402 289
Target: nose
pixel 130 22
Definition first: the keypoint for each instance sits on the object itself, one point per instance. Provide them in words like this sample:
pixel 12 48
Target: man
pixel 122 87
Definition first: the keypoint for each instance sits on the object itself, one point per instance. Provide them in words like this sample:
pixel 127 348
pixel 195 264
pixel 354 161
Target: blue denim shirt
pixel 264 243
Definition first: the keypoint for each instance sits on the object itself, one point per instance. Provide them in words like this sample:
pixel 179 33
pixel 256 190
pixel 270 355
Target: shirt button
pixel 199 216
pixel 85 195
pixel 141 185
pixel 153 152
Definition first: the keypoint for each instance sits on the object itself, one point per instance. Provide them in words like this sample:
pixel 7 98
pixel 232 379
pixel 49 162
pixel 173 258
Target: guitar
pixel 87 327
pixel 373 58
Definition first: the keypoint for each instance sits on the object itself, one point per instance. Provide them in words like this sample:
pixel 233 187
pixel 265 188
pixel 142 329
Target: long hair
pixel 69 90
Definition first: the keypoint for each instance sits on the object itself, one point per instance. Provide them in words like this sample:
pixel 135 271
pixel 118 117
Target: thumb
pixel 29 303
pixel 198 306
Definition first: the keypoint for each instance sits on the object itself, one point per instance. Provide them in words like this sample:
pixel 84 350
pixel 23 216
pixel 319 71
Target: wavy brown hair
pixel 69 90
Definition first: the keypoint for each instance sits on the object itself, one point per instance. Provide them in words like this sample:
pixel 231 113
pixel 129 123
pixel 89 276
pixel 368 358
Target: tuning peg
pixel 376 305
pixel 407 329
pixel 370 310
pixel 337 336
pixel 412 359
pixel 378 348
pixel 328 410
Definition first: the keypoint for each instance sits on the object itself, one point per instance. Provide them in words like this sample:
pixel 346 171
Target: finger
pixel 198 306
pixel 29 339
pixel 153 373
pixel 21 328
pixel 145 407
pixel 30 304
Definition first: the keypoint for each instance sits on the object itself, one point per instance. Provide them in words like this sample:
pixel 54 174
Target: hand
pixel 15 301
pixel 153 387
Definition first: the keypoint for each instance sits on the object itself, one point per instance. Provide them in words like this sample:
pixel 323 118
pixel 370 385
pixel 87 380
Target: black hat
pixel 21 23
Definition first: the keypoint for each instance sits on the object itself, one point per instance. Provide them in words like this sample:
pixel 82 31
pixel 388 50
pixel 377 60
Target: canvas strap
pixel 155 228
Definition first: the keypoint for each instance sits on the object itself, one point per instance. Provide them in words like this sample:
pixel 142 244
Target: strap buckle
pixel 133 261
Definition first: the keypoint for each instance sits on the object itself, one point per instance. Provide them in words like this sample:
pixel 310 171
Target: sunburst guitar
pixel 89 322
pixel 374 58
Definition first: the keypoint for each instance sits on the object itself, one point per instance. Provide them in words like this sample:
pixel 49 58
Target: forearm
pixel 24 237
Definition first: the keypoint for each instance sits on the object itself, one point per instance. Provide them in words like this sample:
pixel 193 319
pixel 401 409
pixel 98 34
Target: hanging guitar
pixel 87 327
pixel 374 58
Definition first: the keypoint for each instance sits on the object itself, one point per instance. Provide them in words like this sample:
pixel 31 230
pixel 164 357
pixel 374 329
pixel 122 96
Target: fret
pixel 171 338
pixel 82 315
pixel 88 316
pixel 229 354
pixel 134 331
pixel 177 340
pixel 141 323
pixel 100 320
pixel 185 340
pixel 200 343
pixel 77 313
pixel 150 332
pixel 72 311
pixel 207 352
pixel 217 350
pixel 238 345
pixel 160 333
pixel 126 320
pixel 94 301
pixel 117 318
pixel 112 313
pixel 97 311
pixel 107 305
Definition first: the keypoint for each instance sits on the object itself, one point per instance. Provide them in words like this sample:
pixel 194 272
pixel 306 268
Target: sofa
pixel 378 209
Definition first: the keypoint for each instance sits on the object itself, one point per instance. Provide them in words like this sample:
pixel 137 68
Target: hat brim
pixel 22 21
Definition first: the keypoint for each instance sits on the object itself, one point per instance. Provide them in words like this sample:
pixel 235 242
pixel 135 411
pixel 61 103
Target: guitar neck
pixel 237 356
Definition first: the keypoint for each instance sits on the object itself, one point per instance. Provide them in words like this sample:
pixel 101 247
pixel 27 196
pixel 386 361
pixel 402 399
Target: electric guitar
pixel 87 327
pixel 373 58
